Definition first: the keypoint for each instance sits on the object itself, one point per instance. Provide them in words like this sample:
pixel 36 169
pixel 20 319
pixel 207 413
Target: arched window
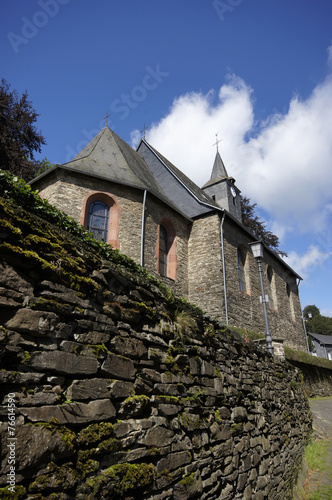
pixel 272 304
pixel 98 220
pixel 241 262
pixel 166 249
pixel 291 304
pixel 163 250
pixel 100 214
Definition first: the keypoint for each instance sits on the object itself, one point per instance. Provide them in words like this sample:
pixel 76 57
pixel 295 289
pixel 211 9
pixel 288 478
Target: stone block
pixel 96 388
pixel 34 446
pixel 173 461
pixel 72 413
pixel 157 435
pixel 36 323
pixel 118 367
pixel 64 363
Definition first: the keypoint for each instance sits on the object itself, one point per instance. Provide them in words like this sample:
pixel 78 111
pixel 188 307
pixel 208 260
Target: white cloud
pixel 283 164
pixel 305 263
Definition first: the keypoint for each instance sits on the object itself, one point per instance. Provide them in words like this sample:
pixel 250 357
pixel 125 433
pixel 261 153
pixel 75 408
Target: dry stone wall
pixel 112 388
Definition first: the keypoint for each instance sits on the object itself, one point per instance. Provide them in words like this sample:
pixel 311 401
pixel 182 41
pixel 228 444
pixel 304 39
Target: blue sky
pixel 257 72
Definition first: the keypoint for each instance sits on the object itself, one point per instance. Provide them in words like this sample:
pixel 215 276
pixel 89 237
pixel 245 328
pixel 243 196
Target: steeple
pixel 222 188
pixel 219 169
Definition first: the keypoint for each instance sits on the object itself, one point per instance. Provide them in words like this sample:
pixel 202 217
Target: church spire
pixel 222 188
pixel 219 169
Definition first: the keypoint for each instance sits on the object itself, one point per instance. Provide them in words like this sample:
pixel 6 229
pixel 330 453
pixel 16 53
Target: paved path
pixel 322 423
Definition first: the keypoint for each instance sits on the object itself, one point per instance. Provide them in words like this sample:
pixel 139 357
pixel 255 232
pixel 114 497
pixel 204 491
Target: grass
pixel 322 493
pixel 315 455
pixel 316 459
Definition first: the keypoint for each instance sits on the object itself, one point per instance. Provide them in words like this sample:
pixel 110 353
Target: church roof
pixel 110 157
pixel 178 188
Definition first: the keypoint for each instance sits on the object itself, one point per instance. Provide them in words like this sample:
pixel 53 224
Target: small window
pixel 163 250
pixel 241 261
pixel 270 287
pixel 166 249
pixel 98 220
pixel 291 304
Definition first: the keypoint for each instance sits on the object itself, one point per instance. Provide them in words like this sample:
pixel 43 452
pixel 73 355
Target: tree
pixel 315 322
pixel 258 227
pixel 19 139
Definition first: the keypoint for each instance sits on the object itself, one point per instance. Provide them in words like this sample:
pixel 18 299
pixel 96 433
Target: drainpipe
pixel 143 227
pixel 303 322
pixel 223 265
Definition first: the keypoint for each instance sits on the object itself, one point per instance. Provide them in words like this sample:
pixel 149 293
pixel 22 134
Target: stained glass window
pixel 98 220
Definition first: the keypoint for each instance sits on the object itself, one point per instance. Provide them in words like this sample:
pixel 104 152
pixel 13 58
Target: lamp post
pixel 257 250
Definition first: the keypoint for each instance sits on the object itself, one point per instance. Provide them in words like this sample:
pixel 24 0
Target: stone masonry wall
pixel 245 309
pixel 113 388
pixel 206 288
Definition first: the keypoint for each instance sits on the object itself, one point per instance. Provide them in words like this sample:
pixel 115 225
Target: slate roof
pixel 219 172
pixel 178 188
pixel 110 157
pixel 322 339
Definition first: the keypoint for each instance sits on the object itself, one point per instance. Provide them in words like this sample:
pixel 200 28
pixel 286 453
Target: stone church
pixel 192 238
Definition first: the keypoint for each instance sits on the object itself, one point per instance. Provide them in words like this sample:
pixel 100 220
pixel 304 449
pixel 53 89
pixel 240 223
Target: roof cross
pixel 106 117
pixel 217 142
pixel 144 130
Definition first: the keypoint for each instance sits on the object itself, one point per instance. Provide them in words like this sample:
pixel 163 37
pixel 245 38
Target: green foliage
pixel 258 227
pixel 315 322
pixel 42 166
pixel 19 139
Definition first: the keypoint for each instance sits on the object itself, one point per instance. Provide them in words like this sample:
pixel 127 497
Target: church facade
pixel 191 238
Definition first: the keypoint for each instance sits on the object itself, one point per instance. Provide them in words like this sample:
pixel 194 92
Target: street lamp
pixel 257 249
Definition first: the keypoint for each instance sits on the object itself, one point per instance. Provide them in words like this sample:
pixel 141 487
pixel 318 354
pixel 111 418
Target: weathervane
pixel 106 118
pixel 144 130
pixel 217 142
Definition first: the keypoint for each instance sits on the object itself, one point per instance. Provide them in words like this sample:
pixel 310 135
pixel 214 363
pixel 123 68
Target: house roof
pixel 322 339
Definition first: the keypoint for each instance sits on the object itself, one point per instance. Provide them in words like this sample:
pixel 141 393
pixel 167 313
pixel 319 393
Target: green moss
pixel 146 310
pixel 103 447
pixel 120 480
pixel 305 358
pixel 217 417
pixel 187 480
pixel 95 433
pixel 19 493
pixel 56 478
pixel 26 358
pixel 99 349
pixel 67 435
pixel 26 257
